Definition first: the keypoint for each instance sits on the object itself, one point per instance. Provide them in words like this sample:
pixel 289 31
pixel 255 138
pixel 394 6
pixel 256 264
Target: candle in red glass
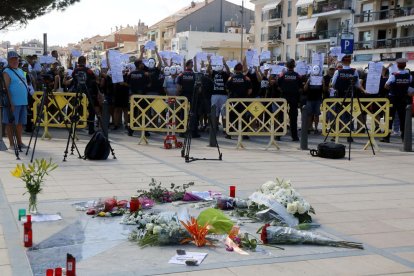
pixel 70 265
pixel 27 234
pixel 49 272
pixel 58 271
pixel 232 191
pixel 134 204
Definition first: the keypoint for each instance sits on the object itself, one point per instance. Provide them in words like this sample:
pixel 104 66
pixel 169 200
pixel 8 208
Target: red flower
pixel 263 235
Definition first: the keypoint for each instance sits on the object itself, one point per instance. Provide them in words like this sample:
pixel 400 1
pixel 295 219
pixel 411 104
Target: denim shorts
pixel 20 115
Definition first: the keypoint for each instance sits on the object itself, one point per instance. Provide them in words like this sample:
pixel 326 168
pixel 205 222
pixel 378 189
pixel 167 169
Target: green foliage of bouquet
pixel 33 175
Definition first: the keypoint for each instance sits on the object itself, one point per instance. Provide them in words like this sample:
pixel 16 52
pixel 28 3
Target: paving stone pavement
pixel 368 199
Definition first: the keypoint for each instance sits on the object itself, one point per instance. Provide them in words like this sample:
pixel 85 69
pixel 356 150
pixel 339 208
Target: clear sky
pixel 92 17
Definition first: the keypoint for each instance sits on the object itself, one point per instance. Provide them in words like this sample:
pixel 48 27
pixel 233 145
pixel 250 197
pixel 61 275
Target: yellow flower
pixel 17 172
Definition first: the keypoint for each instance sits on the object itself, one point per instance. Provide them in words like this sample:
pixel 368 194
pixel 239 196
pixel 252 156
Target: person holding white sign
pixel 219 93
pixel 313 91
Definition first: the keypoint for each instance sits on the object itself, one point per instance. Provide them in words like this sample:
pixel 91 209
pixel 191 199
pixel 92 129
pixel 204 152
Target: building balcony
pixel 319 35
pixel 382 44
pixel 370 18
pixel 327 8
pixel 271 38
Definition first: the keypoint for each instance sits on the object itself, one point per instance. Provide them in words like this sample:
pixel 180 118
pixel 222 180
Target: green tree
pixel 19 12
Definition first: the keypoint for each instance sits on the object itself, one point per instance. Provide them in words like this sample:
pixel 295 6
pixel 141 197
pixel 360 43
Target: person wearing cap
pixel 342 81
pixel 15 112
pixel 290 82
pixel 398 85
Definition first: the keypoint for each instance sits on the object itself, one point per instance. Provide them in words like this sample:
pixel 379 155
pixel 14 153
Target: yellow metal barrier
pixel 371 110
pixel 256 117
pixel 66 102
pixel 158 113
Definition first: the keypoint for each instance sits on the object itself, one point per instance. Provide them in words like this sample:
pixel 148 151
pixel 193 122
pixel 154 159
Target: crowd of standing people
pixel 156 76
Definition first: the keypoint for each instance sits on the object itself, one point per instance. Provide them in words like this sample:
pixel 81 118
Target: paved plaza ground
pixel 369 199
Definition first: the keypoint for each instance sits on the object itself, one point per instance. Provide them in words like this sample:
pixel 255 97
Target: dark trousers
pixel 398 106
pixel 293 117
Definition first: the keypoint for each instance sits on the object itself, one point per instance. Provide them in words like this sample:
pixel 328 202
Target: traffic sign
pixel 347 44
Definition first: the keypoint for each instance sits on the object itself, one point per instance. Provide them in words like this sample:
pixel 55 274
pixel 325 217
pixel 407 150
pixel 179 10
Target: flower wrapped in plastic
pixel 288 235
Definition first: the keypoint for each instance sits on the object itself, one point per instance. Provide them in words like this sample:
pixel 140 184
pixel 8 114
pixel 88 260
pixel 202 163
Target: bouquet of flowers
pixel 283 192
pixel 161 194
pixel 155 229
pixel 33 175
pixel 287 235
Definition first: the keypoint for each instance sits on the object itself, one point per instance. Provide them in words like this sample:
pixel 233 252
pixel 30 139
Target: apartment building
pixel 297 28
pixel 203 16
pixel 384 30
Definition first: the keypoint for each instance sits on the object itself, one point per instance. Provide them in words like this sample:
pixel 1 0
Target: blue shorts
pixel 20 115
pixel 314 107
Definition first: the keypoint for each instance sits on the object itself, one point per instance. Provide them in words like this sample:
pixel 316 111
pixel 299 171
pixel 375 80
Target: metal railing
pixel 272 14
pixel 271 37
pixel 326 6
pixel 319 35
pixel 384 43
pixel 370 16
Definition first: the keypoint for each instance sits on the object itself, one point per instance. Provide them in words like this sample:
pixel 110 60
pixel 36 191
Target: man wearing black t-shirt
pixel 138 82
pixel 219 93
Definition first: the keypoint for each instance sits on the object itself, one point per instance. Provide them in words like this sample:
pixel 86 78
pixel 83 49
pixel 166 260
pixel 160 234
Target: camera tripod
pixel 350 94
pixel 4 100
pixel 82 88
pixel 192 123
pixel 45 96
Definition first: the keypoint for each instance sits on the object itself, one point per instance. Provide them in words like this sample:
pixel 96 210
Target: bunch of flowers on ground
pixel 161 194
pixel 283 192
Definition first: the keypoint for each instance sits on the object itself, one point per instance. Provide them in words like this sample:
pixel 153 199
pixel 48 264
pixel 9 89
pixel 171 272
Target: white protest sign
pixel 76 53
pixel 150 45
pixel 276 69
pixel 104 63
pixel 334 51
pixel 216 60
pixel 231 63
pixel 318 59
pixel 114 57
pixel 301 68
pixel 265 55
pixel 177 59
pixel 201 56
pixel 252 58
pixel 374 77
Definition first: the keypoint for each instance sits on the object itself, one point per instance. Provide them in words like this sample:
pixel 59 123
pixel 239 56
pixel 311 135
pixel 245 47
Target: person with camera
pixel 186 82
pixel 83 74
pixel 15 107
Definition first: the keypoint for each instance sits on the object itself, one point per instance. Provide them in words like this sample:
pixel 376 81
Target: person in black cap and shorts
pixel 398 85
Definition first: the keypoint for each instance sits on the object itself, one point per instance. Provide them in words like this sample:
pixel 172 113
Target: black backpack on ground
pixel 98 147
pixel 329 150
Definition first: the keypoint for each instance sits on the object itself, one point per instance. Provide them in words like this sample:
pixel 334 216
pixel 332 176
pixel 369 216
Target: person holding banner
pixel 313 91
pixel 290 83
pixel 398 85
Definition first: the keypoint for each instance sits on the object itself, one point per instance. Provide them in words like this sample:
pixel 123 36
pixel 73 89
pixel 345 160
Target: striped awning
pixel 271 6
pixel 306 25
pixel 405 23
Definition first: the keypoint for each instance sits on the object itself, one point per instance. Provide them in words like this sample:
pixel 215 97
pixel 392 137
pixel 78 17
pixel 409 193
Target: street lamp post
pixel 241 24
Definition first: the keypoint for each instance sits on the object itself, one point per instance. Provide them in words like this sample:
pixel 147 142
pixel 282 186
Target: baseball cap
pixel 12 54
pixel 401 60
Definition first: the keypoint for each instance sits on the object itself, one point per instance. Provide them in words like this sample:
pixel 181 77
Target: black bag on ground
pixel 98 147
pixel 329 150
